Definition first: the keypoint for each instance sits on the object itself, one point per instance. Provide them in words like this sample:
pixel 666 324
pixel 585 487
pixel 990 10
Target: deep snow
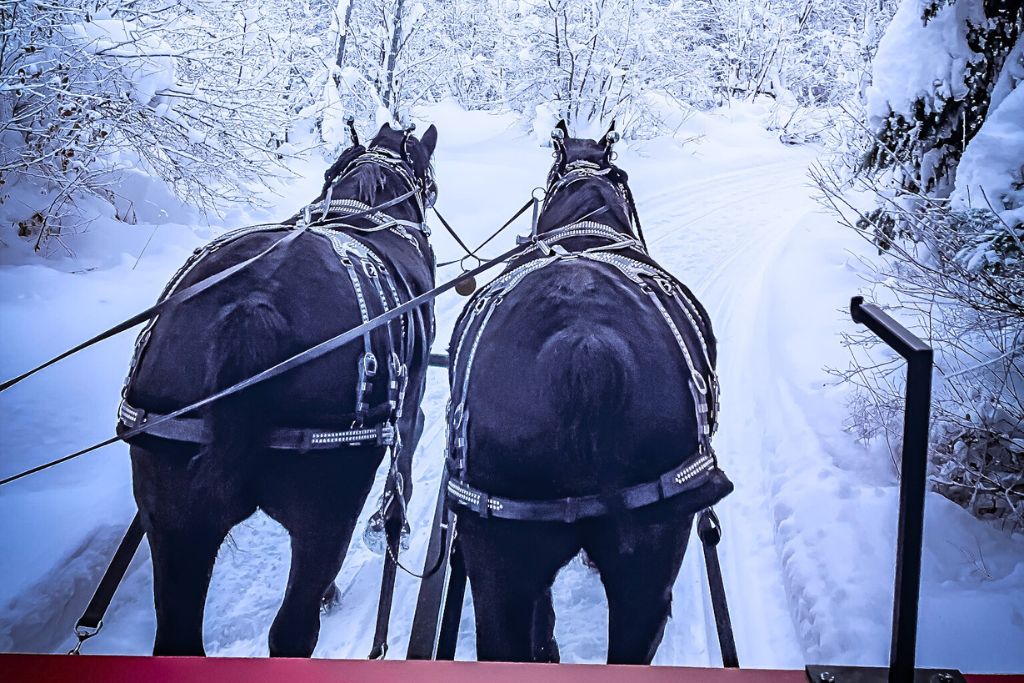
pixel 809 533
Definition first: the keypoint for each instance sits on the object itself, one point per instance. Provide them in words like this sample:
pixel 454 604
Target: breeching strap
pixel 298 359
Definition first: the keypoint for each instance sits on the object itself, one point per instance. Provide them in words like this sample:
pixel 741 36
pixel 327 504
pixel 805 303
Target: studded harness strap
pixel 371 281
pixel 677 309
pixel 580 170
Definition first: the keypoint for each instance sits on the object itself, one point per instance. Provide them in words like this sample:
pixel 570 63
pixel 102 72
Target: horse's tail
pixel 593 377
pixel 247 340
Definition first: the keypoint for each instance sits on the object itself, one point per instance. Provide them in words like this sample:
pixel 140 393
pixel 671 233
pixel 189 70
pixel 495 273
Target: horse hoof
pixel 374 538
pixel 587 562
pixel 331 598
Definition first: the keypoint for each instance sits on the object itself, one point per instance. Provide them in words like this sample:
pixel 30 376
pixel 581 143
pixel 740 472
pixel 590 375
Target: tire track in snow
pixel 752 571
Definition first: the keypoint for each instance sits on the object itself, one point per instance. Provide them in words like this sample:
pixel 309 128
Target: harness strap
pixel 592 229
pixel 690 475
pixel 361 262
pixel 374 214
pixel 584 170
pixel 91 621
pixel 694 470
pixel 195 430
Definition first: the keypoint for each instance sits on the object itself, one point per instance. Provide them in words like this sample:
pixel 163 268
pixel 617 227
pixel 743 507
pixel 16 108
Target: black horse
pixel 584 396
pixel 303 447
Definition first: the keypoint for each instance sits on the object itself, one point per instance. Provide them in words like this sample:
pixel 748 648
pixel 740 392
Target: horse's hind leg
pixel 511 566
pixel 545 649
pixel 184 531
pixel 317 499
pixel 183 560
pixel 639 556
pixel 316 560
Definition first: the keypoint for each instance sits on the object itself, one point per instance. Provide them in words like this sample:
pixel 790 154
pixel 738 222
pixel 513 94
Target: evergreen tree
pixel 922 137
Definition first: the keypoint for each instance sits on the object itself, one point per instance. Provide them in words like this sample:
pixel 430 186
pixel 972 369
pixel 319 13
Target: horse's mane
pixel 370 178
pixel 586 197
pixel 336 169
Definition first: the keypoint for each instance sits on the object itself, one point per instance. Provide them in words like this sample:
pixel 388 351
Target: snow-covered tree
pixel 946 164
pixel 934 75
pixel 89 89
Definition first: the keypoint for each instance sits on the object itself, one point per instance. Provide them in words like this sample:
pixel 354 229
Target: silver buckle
pixel 84 633
pixel 369 365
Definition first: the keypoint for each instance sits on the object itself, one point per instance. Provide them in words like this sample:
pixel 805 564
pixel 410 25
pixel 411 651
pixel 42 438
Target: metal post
pixel 913 474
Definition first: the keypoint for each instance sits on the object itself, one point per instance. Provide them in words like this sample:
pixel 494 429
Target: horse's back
pixel 303 286
pixel 576 381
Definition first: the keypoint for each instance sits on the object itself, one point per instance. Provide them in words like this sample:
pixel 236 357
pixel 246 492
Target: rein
pixel 205 284
pixel 474 252
pixel 298 359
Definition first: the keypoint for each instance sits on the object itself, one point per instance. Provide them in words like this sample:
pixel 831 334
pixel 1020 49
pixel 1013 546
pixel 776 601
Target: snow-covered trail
pixel 718 232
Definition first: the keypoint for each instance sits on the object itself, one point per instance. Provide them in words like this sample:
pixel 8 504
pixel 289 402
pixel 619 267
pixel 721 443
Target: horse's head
pixel 415 152
pixel 584 183
pixel 583 154
pixel 398 147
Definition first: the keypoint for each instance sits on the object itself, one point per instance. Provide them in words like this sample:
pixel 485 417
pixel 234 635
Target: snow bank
pixel 991 170
pixel 917 60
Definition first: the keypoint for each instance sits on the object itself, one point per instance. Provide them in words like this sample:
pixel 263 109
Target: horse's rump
pixel 306 288
pixel 578 385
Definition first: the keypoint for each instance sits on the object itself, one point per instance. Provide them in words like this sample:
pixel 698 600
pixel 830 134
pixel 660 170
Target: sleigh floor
pixel 113 669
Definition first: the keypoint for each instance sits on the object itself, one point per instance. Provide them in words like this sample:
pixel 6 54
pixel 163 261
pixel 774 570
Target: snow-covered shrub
pixel 946 172
pixel 933 81
pixel 89 89
pixel 962 283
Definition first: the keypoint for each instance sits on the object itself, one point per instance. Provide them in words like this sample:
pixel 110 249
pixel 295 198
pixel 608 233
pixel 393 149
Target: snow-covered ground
pixel 809 533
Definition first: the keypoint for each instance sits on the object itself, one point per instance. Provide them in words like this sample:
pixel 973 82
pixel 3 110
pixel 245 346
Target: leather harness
pixel 371 281
pixel 679 312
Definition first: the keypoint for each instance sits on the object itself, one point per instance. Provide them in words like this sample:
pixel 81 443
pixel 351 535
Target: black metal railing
pixel 913 472
pixel 910 534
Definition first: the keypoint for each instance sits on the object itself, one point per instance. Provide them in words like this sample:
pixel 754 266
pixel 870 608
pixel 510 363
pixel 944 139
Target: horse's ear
pixel 559 133
pixel 610 137
pixel 350 122
pixel 429 140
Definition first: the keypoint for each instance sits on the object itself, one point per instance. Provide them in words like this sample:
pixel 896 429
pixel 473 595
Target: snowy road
pixel 733 217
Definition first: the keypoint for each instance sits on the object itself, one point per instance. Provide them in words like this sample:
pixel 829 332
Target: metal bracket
pixel 866 674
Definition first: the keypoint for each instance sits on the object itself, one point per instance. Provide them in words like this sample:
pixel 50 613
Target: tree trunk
pixel 390 94
pixel 339 59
